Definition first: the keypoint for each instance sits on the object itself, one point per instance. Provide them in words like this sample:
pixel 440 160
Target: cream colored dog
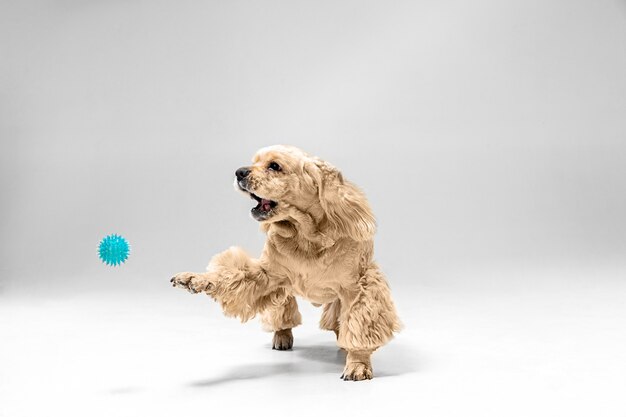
pixel 319 246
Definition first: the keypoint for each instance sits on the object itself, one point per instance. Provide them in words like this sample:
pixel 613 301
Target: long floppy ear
pixel 348 212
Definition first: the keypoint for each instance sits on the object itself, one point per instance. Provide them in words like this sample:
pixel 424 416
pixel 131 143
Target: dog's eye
pixel 273 166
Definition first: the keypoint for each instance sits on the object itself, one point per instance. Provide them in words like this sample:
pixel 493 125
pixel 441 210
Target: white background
pixel 490 138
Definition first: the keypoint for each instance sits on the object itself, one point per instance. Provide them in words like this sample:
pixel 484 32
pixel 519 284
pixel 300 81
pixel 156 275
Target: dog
pixel 319 246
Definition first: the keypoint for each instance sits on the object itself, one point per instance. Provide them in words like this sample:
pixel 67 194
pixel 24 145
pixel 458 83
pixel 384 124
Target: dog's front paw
pixel 283 340
pixel 192 282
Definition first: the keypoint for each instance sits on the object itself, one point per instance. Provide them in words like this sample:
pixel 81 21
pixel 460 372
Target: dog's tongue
pixel 265 205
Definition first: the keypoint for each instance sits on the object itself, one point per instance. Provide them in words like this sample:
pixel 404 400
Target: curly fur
pixel 243 288
pixel 319 246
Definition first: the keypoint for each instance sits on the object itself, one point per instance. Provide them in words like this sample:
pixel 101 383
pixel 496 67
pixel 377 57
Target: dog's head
pixel 283 178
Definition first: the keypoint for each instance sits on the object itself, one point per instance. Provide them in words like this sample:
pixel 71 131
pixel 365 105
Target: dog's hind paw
pixel 357 372
pixel 358 366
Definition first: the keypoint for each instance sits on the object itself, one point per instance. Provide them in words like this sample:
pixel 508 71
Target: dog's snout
pixel 242 173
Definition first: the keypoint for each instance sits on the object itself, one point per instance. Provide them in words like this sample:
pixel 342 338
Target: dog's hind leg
pixel 281 319
pixel 366 323
pixel 330 317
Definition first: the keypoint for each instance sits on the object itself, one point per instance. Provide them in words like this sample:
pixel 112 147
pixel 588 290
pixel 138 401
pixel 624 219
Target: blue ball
pixel 113 250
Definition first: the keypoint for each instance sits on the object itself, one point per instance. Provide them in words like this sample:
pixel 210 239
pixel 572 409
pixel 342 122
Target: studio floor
pixel 541 347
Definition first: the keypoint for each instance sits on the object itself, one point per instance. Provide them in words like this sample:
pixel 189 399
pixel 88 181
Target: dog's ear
pixel 344 204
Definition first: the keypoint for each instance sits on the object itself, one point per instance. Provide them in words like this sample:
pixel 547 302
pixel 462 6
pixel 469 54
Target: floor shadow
pixel 124 390
pixel 322 353
pixel 247 372
pixel 318 359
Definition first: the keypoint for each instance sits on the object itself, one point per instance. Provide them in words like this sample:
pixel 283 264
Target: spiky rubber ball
pixel 113 250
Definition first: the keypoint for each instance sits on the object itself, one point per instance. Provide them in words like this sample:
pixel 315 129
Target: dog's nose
pixel 242 173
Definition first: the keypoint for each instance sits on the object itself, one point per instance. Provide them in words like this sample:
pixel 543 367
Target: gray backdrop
pixel 483 132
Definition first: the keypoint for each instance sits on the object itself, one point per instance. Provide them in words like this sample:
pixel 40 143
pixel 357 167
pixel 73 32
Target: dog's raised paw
pixel 191 281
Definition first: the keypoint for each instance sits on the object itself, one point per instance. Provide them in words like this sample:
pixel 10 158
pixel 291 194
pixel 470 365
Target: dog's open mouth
pixel 263 209
pixel 264 206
